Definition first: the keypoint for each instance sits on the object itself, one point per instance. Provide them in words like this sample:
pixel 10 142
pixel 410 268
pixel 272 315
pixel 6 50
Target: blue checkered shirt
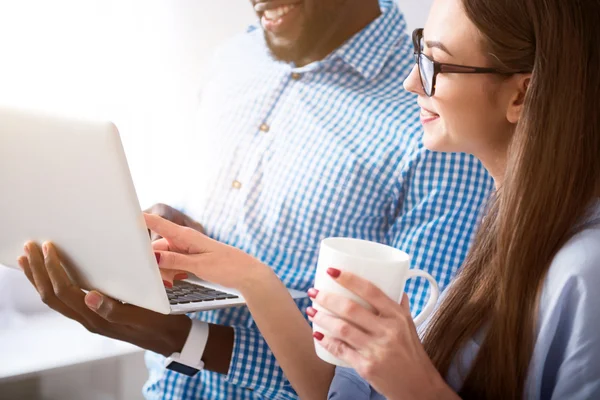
pixel 330 149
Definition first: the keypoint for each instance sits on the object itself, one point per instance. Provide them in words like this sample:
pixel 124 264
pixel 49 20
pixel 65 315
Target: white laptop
pixel 67 181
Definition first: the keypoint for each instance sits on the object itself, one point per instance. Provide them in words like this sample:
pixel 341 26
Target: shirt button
pixel 236 184
pixel 264 128
pixel 296 76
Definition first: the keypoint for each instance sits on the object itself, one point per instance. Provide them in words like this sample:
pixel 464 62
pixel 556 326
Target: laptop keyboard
pixel 185 292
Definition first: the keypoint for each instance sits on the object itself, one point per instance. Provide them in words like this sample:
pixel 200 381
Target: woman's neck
pixel 495 164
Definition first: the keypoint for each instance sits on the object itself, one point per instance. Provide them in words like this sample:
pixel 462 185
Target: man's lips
pixel 279 16
pixel 262 6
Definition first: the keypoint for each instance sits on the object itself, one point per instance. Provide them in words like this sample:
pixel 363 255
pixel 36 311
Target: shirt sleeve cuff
pixel 240 369
pixel 254 368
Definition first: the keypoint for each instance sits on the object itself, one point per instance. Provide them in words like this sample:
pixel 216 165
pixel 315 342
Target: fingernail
pixel 157 255
pixel 318 335
pixel 26 249
pixel 180 277
pixel 167 284
pixel 311 312
pixel 312 293
pixel 93 300
pixel 334 272
pixel 45 249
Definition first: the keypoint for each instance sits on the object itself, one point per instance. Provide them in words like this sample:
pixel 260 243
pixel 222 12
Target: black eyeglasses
pixel 429 69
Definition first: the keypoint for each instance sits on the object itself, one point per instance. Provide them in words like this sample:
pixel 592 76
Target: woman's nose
pixel 413 82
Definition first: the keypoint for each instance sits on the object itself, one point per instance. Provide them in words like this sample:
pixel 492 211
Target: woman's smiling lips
pixel 428 115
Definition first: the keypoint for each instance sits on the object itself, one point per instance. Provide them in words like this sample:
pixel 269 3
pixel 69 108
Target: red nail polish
pixel 167 284
pixel 318 335
pixel 180 277
pixel 333 272
pixel 157 255
pixel 311 312
pixel 312 293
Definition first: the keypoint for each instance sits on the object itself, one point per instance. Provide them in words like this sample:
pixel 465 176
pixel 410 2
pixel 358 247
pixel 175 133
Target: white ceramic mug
pixel 384 266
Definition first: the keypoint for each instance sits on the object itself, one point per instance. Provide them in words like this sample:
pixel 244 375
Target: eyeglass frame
pixel 438 67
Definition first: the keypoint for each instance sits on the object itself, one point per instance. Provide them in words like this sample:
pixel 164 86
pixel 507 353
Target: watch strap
pixel 194 346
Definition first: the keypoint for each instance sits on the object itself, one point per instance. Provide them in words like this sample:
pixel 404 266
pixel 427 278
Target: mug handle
pixel 433 296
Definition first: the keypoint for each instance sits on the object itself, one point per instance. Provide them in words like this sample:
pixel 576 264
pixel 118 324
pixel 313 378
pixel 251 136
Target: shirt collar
pixel 369 50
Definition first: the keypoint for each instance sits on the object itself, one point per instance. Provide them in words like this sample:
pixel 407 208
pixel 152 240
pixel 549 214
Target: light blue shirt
pixel 566 358
pixel 330 149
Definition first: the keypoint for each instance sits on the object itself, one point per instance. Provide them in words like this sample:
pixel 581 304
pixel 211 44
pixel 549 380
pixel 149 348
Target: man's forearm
pixel 219 346
pixel 219 349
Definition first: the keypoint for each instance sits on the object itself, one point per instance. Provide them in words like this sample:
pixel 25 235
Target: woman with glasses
pixel 517 84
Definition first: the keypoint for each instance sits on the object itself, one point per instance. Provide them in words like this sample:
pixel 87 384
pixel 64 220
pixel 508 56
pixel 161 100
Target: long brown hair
pixel 552 176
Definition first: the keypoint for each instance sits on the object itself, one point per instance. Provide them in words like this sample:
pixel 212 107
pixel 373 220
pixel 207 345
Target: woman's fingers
pixel 171 276
pixel 340 328
pixel 181 263
pixel 347 309
pixel 405 305
pixel 405 310
pixel 366 291
pixel 185 239
pixel 339 349
pixel 161 245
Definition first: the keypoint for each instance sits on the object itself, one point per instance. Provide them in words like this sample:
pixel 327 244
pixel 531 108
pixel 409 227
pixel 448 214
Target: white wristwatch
pixel 189 361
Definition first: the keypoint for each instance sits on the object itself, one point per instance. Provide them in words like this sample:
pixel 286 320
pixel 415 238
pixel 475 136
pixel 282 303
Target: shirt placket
pixel 248 167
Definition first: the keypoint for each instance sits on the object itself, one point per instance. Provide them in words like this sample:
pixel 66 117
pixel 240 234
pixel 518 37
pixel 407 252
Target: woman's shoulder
pixel 581 254
pixel 579 258
pixel 568 325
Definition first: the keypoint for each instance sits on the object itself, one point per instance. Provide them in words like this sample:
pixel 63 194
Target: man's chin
pixel 282 49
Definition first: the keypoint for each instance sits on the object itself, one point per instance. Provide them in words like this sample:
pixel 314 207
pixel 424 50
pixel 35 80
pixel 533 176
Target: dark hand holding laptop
pixel 67 181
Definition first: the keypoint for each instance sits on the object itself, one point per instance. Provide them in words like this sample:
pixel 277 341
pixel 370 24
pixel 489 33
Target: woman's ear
pixel 515 107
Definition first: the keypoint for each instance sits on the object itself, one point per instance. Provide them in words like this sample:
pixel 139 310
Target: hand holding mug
pixel 380 342
pixel 361 316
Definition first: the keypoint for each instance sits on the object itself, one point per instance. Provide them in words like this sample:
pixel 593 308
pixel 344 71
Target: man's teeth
pixel 277 13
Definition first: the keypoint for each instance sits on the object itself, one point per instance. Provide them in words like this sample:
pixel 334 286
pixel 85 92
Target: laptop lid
pixel 67 181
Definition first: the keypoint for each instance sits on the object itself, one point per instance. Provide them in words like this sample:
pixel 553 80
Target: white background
pixel 138 63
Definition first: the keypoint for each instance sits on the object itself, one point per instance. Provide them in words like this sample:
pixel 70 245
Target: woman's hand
pixel 172 214
pixel 381 344
pixel 182 250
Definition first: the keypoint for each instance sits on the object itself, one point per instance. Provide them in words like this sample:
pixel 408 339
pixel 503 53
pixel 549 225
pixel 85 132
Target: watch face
pixel 182 368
